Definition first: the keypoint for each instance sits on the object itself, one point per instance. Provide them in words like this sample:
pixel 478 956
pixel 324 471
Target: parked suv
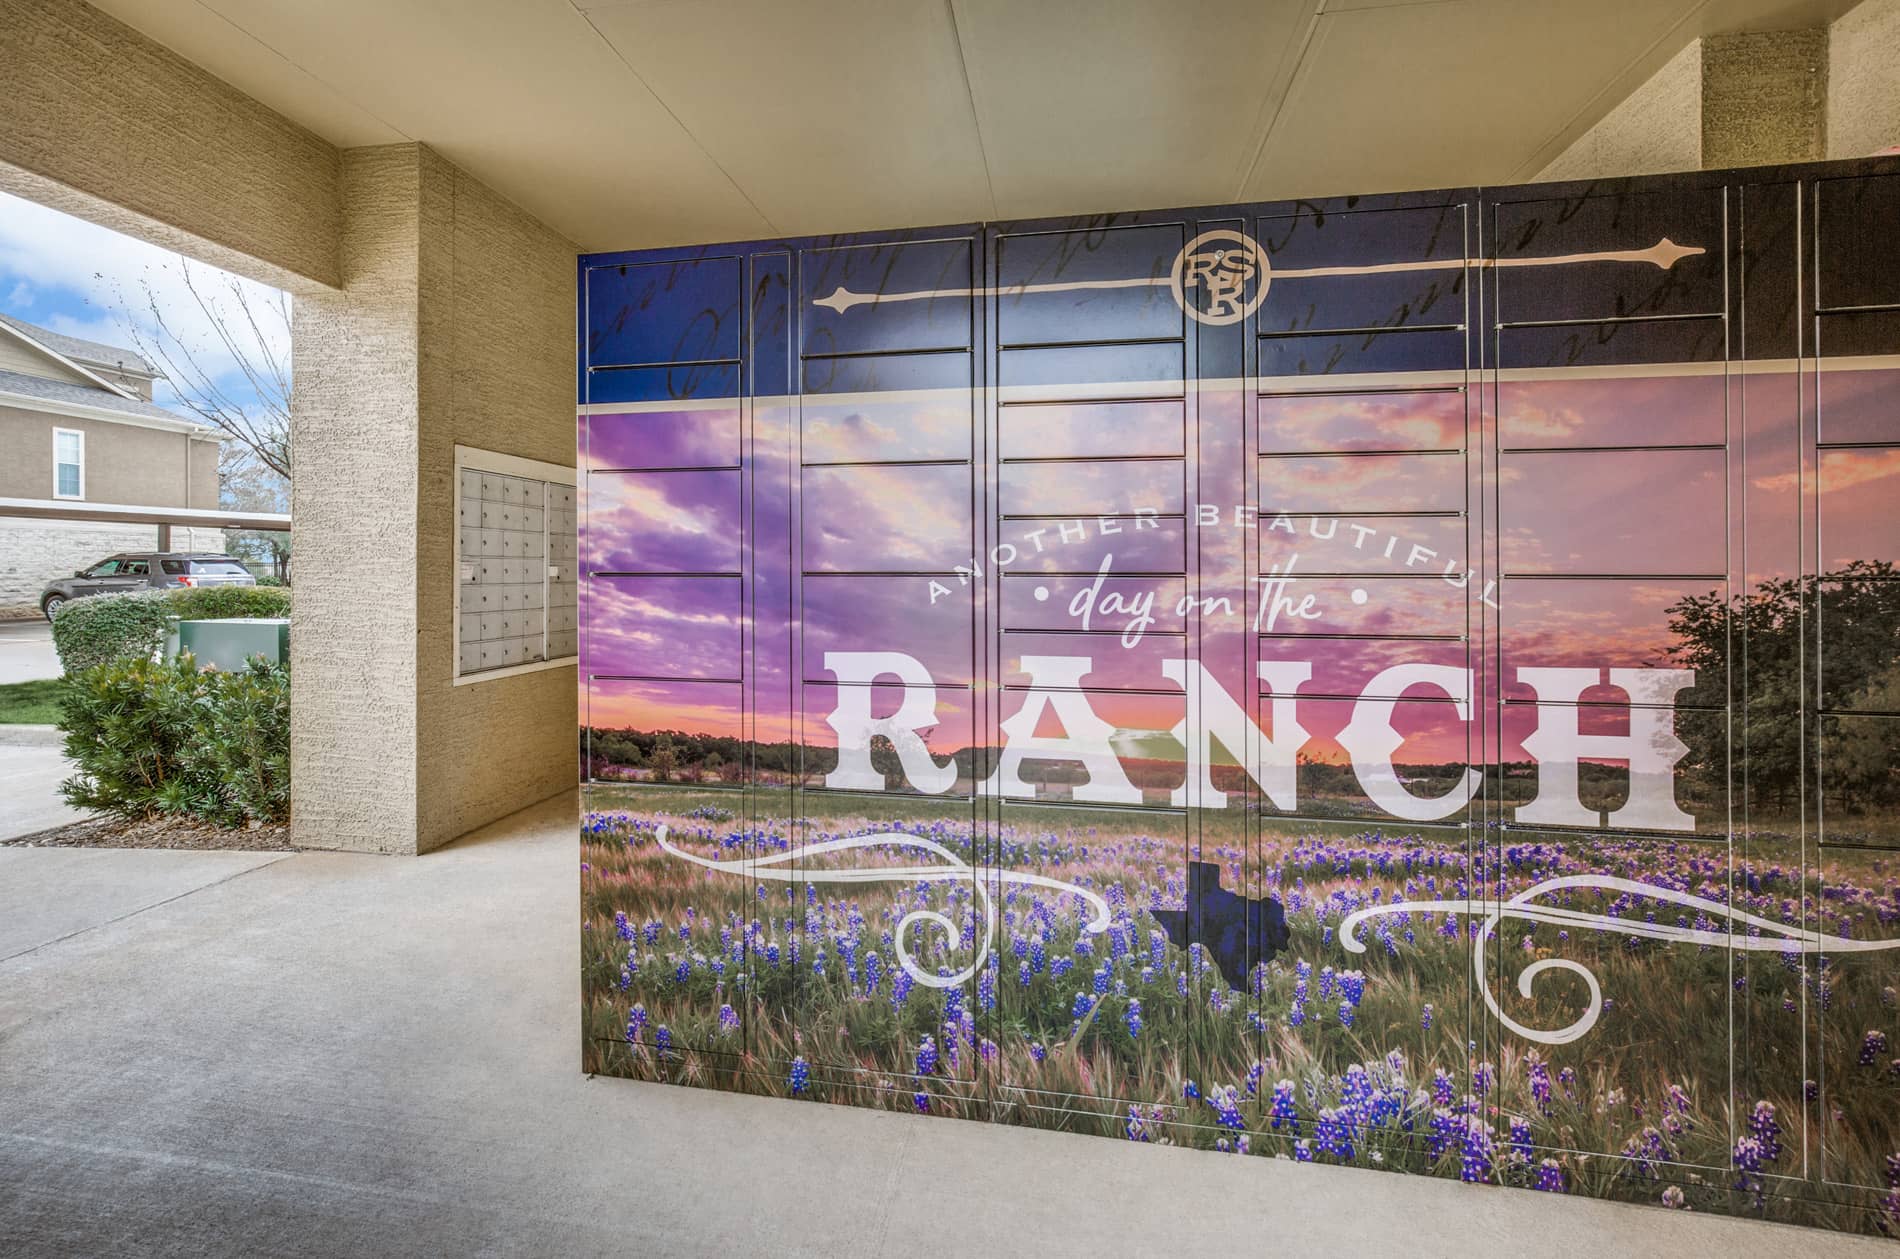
pixel 145 570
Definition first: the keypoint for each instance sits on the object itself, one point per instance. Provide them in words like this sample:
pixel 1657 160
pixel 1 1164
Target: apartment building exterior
pixel 78 425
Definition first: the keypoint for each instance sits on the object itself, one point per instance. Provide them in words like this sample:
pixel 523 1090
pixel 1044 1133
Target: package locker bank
pixel 1403 680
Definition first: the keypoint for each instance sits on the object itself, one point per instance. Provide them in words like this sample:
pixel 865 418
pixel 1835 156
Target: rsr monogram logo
pixel 1211 275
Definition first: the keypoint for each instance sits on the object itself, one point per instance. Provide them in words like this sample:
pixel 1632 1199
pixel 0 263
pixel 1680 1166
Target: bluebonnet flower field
pixel 770 976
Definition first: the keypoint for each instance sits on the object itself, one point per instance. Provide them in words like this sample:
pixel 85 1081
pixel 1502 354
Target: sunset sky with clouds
pixel 1595 544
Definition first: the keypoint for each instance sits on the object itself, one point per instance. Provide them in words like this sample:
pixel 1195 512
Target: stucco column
pixel 1764 98
pixel 1754 98
pixel 454 323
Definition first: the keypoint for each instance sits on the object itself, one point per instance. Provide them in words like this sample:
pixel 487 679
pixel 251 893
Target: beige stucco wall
pixel 427 312
pixel 1863 87
pixel 498 303
pixel 454 324
pixel 1654 130
pixel 1764 98
pixel 124 463
pixel 1753 99
pixel 102 122
pixel 355 429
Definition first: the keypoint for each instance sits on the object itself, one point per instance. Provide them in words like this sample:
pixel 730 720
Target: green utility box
pixel 228 643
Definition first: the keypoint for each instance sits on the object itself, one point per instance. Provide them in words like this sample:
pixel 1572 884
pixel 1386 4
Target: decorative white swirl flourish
pixel 1784 939
pixel 953 868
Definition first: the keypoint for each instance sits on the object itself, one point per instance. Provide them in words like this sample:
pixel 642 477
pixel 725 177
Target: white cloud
pixel 43 252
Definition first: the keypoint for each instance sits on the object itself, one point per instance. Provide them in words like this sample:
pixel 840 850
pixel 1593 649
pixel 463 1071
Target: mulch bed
pixel 156 832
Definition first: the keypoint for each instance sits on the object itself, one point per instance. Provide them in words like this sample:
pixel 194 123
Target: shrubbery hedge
pixel 93 631
pixel 152 736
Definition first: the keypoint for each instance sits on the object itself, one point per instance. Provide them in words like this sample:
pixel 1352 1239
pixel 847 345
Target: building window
pixel 69 463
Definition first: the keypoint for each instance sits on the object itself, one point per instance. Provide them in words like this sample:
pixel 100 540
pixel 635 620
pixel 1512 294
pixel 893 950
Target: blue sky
pixel 87 281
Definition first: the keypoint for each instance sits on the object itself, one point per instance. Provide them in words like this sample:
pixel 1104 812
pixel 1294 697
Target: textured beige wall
pixel 498 332
pixel 102 122
pixel 1863 83
pixel 356 357
pixel 1745 99
pixel 124 462
pixel 1764 98
pixel 428 312
pixel 455 324
pixel 1654 130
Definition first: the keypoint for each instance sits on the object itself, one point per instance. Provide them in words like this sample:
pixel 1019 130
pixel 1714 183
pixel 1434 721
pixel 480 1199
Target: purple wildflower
pixel 1540 1083
pixel 1282 1112
pixel 1766 1129
pixel 1333 1132
pixel 1475 1163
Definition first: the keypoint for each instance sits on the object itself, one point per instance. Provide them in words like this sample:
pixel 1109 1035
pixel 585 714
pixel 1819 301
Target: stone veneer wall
pixel 33 552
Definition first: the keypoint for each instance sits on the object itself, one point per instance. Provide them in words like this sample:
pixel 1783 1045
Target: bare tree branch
pixel 242 328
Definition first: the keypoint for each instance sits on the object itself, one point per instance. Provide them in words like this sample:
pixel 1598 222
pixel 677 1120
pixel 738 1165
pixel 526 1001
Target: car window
pixel 135 568
pixel 103 570
pixel 175 566
pixel 223 568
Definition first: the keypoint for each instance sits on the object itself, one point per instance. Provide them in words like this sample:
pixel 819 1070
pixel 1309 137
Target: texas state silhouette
pixel 1238 932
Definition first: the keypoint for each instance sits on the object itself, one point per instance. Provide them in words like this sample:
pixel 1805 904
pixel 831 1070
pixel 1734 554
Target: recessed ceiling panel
pixel 1129 103
pixel 522 94
pixel 1412 96
pixel 835 116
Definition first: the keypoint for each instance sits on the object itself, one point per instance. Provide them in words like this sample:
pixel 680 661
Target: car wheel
pixel 51 604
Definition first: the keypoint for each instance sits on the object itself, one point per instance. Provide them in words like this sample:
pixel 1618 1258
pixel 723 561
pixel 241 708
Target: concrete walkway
pixel 327 1054
pixel 26 651
pixel 31 769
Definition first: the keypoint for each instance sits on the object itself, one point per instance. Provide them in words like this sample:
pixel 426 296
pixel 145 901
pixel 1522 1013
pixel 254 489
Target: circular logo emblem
pixel 1211 277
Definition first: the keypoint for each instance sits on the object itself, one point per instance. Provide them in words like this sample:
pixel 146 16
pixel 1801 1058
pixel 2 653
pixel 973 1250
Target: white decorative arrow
pixel 1663 255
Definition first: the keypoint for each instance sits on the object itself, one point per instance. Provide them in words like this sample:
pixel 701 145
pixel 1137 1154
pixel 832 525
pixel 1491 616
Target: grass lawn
pixel 30 703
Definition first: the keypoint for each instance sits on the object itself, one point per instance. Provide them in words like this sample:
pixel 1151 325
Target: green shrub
pixel 89 632
pixel 92 631
pixel 272 581
pixel 154 736
pixel 206 603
